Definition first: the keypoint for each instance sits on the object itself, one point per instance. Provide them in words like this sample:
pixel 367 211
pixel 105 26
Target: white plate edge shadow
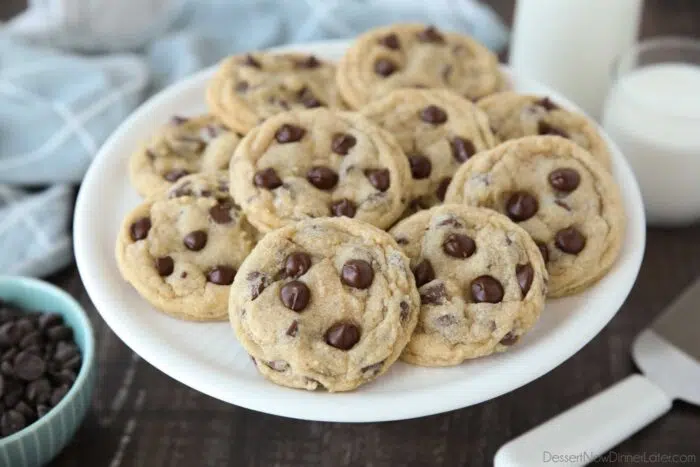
pixel 519 366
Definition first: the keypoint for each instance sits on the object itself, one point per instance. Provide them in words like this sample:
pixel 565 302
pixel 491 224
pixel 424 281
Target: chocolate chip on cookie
pixel 458 246
pixel 342 336
pixel 267 178
pixel 521 206
pixel 565 179
pixel 462 149
pixel 357 273
pixel 570 240
pixel 379 178
pixel 139 228
pixel 486 289
pixel 322 178
pixel 195 240
pixel 423 272
pixel 295 295
pixel 342 143
pixel 391 41
pixel 165 265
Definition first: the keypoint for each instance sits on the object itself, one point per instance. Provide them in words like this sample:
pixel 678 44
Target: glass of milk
pixel 652 111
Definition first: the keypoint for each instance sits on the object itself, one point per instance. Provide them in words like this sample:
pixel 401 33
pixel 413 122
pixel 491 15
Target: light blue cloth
pixel 58 107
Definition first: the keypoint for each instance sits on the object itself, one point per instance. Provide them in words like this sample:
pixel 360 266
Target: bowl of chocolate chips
pixel 46 370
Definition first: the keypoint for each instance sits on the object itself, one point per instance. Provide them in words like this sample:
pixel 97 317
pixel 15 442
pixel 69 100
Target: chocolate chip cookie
pixel 481 279
pixel 181 250
pixel 315 163
pixel 250 88
pixel 181 147
pixel 438 130
pixel 514 115
pixel 563 197
pixel 324 303
pixel 415 55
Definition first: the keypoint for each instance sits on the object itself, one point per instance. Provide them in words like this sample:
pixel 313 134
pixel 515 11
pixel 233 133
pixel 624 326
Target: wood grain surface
pixel 141 417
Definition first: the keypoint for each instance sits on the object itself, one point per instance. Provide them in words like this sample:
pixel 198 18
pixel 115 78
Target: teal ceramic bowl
pixel 41 441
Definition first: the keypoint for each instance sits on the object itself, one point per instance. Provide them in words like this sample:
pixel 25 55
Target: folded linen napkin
pixel 57 107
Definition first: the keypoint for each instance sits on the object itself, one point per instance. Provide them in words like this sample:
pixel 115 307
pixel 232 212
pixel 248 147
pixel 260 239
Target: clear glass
pixel 652 111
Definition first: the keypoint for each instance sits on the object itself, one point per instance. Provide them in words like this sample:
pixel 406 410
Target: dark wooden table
pixel 141 417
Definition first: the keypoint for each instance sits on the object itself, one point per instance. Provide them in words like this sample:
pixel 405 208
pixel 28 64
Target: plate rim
pixel 306 405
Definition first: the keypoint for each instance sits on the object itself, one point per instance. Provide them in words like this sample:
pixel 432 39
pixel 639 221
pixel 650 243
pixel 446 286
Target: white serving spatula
pixel 668 354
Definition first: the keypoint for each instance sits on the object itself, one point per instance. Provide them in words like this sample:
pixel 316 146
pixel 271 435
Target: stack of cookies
pixel 402 204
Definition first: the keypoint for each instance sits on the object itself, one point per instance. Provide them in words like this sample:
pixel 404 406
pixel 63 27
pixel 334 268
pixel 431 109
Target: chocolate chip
pixel 65 351
pixel 525 275
pixel 434 115
pixel 372 370
pixel 379 178
pixel 242 86
pixel 10 335
pixel 47 320
pixel 308 62
pixel 295 295
pixel 433 294
pixel 390 41
pixel 289 134
pixel 221 275
pixel 401 240
pixel 357 273
pixel 11 422
pixel 547 104
pixel 28 366
pixel 267 178
pixel 486 289
pixel 446 320
pixel 221 213
pixel 545 128
pixel 178 120
pixel 423 272
pixel 566 180
pixel 462 149
pixel 405 308
pixel 570 240
pixel 175 174
pixel 521 206
pixel 431 34
pixel 342 335
pixel 458 246
pixel 257 282
pixel 249 60
pixel 57 395
pixel 307 98
pixel 293 329
pixel 165 266
pixel 562 204
pixel 384 67
pixel 322 178
pixel 139 229
pixel 509 339
pixel 420 166
pixel 441 190
pixel 342 142
pixel 195 240
pixel 38 391
pixel 343 207
pixel 25 410
pixel 59 333
pixel 297 264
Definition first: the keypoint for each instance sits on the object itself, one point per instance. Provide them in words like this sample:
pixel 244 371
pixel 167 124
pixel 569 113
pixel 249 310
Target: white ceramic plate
pixel 207 357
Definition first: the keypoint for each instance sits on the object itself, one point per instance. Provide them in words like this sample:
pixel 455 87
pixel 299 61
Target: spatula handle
pixel 587 430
